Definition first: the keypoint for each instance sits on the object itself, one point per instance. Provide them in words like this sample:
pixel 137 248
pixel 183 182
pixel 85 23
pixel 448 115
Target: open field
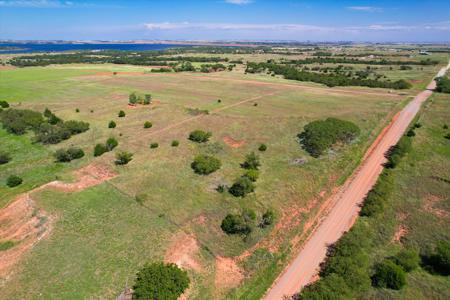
pixel 101 235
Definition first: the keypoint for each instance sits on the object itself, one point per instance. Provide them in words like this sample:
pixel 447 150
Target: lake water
pixel 30 48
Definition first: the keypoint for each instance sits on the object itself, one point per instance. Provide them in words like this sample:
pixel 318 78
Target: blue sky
pixel 391 21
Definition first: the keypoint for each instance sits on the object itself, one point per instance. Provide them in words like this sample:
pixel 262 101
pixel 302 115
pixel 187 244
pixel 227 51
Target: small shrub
pixel 53 119
pixel 112 124
pixel 99 149
pixel 75 153
pixel 77 110
pixel 251 161
pixel 389 275
pixel 47 113
pixel 4 158
pixel 262 148
pixel 148 124
pixel 410 133
pixel 241 187
pixel 147 99
pixel 175 143
pixel 252 175
pixel 13 181
pixel 267 218
pixel 123 158
pixel 76 127
pixel 221 188
pixel 219 101
pixel 4 104
pixel 255 104
pixel 121 114
pixel 417 125
pixel 205 164
pixel 133 98
pixel 160 281
pixel 200 136
pixel 235 224
pixel 111 143
pixel 408 259
pixel 445 126
pixel 67 155
pixel 154 145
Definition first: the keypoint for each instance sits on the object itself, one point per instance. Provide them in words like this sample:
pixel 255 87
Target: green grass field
pixel 102 235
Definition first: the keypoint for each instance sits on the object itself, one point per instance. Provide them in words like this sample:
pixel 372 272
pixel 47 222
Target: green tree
pixel 111 143
pixel 235 224
pixel 13 181
pixel 389 275
pixel 241 187
pixel 408 259
pixel 251 161
pixel 175 143
pixel 199 136
pixel 121 114
pixel 4 104
pixel 99 149
pixel 112 124
pixel 147 99
pixel 123 158
pixel 148 124
pixel 154 145
pixel 267 218
pixel 205 164
pixel 262 148
pixel 132 98
pixel 252 174
pixel 160 281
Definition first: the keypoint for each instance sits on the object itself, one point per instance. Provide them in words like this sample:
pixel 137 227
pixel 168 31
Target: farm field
pixel 156 208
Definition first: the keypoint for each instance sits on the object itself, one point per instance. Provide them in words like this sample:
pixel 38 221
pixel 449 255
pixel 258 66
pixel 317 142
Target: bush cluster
pixel 200 136
pixel 439 260
pixel 123 158
pixel 69 154
pixel 4 104
pixel 205 164
pixel 50 131
pixel 320 135
pixel 160 281
pixel 244 223
pixel 110 144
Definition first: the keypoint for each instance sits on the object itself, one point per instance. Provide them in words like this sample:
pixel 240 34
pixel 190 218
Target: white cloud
pixel 294 28
pixel 365 8
pixel 239 2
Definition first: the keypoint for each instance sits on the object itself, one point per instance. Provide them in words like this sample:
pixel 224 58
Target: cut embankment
pixel 23 224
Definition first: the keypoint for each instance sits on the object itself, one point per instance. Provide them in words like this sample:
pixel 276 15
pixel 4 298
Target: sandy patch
pixel 7 67
pixel 232 142
pixel 228 273
pixel 183 252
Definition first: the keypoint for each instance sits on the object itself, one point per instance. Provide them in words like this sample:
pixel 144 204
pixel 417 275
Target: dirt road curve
pixel 346 208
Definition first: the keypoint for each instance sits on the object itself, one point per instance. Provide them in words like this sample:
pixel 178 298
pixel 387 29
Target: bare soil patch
pixel 400 233
pixel 232 142
pixel 24 224
pixel 228 273
pixel 183 252
pixel 7 67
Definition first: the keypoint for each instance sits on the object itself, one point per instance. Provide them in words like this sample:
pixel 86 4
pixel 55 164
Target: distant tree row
pixel 330 80
pixel 335 60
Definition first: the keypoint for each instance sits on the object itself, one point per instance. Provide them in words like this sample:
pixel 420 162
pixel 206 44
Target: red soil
pixel 232 142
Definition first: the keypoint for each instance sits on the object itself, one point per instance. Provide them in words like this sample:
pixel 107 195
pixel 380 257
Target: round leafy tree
pixel 4 158
pixel 121 114
pixel 111 143
pixel 13 181
pixel 160 281
pixel 241 187
pixel 389 275
pixel 112 124
pixel 199 136
pixel 148 124
pixel 262 147
pixel 175 143
pixel 205 164
pixel 123 157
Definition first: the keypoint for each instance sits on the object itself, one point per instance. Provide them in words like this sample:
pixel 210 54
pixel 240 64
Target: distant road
pixel 347 201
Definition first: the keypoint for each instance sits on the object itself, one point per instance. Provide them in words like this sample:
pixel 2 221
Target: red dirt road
pixel 347 200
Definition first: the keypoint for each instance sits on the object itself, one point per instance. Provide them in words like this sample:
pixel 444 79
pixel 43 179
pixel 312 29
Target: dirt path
pixel 341 217
pixel 24 224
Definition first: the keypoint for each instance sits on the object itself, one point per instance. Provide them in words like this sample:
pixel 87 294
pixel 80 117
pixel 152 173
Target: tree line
pixel 330 80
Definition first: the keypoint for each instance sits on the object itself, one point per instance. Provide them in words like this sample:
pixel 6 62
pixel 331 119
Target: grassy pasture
pixel 102 235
